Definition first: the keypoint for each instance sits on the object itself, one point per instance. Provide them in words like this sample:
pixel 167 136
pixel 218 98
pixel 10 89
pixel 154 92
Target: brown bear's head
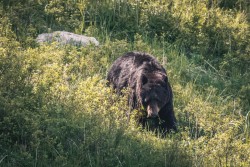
pixel 153 92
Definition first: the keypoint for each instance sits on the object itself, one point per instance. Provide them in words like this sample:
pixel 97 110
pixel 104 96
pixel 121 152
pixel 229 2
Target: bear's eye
pixel 145 100
pixel 144 80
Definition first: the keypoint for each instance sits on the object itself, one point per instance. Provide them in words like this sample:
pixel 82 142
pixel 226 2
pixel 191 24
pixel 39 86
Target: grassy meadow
pixel 55 107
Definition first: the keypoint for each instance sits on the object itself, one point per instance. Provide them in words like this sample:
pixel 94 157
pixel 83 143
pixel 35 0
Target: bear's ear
pixel 144 80
pixel 165 79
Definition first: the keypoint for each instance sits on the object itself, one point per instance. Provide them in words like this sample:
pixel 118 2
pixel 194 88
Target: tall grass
pixel 57 111
pixel 69 117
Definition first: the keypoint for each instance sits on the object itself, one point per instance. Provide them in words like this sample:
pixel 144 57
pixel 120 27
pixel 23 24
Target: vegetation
pixel 55 108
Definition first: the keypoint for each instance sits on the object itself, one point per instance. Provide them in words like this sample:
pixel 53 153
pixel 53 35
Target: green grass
pixel 67 116
pixel 55 108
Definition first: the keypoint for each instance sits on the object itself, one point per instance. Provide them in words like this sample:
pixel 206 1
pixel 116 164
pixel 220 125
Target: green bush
pixel 196 27
pixel 74 122
pixel 55 108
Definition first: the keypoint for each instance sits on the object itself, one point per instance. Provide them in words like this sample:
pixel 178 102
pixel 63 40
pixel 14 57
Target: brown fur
pixel 149 87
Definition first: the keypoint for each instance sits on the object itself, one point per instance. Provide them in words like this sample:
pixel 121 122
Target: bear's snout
pixel 153 110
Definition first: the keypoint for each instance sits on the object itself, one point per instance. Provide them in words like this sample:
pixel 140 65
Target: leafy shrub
pixel 56 109
pixel 57 120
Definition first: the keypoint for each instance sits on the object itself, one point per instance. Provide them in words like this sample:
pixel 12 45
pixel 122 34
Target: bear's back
pixel 136 58
pixel 129 66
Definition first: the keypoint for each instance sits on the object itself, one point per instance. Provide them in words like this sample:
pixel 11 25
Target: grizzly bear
pixel 149 89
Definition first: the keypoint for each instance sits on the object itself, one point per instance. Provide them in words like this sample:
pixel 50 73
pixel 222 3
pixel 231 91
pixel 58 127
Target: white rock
pixel 64 37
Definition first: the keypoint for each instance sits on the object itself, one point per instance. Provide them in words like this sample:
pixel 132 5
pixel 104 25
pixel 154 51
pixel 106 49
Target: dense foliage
pixel 55 108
